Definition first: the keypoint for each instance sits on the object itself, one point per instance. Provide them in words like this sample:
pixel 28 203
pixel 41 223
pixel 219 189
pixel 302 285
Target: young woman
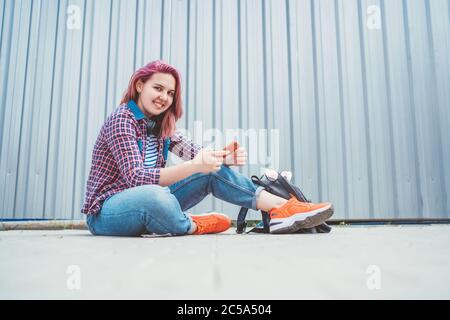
pixel 131 192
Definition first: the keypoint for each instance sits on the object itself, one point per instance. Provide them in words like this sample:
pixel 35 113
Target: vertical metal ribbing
pixel 316 99
pixel 366 109
pixel 341 108
pixel 413 107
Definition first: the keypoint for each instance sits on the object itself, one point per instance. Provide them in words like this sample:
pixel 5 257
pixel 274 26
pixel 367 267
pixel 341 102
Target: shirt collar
pixel 138 114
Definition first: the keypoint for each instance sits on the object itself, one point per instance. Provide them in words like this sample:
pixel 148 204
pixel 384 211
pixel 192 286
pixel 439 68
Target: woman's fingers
pixel 236 158
pixel 241 156
pixel 220 153
pixel 233 146
pixel 241 152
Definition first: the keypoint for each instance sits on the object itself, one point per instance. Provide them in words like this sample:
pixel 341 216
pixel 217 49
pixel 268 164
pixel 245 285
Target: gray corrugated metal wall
pixel 359 90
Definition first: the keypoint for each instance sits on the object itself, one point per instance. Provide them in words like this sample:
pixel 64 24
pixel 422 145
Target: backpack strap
pixel 259 182
pixel 323 228
pixel 241 224
pixel 294 191
pixel 266 220
pixel 166 148
pixel 265 228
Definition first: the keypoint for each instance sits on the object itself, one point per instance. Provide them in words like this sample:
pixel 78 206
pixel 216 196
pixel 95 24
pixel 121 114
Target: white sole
pixel 301 220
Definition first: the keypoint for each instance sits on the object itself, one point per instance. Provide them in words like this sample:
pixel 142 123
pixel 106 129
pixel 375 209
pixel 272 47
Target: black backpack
pixel 279 186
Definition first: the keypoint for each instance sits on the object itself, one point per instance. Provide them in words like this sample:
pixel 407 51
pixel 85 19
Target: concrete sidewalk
pixel 387 262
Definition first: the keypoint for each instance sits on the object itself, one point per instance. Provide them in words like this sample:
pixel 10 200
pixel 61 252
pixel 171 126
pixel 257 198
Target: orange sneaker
pixel 211 223
pixel 295 215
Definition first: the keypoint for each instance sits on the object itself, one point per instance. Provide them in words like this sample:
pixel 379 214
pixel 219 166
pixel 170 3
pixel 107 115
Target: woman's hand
pixel 208 160
pixel 238 155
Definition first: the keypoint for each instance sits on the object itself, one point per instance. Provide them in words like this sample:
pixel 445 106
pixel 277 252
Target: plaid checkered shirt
pixel 119 153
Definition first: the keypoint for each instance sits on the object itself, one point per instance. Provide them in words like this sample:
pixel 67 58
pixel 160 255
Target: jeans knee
pixel 176 223
pixel 225 172
pixel 179 226
pixel 163 214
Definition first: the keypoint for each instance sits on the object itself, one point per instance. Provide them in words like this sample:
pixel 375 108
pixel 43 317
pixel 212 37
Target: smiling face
pixel 156 94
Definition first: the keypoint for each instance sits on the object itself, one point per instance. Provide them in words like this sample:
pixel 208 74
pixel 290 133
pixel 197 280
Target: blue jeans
pixel 156 209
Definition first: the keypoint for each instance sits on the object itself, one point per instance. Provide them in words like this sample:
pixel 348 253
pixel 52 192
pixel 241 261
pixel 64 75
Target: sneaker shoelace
pixel 293 202
pixel 203 225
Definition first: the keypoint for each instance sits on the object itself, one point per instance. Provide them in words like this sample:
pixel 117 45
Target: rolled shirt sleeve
pixel 183 147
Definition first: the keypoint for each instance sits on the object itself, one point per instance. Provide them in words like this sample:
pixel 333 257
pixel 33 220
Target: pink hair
pixel 168 119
